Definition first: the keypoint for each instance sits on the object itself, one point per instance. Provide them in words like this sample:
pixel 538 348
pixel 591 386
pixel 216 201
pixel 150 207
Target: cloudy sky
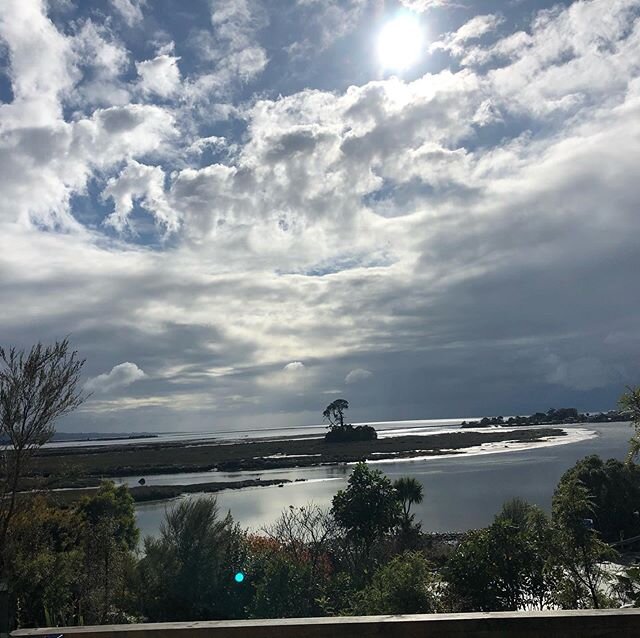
pixel 240 210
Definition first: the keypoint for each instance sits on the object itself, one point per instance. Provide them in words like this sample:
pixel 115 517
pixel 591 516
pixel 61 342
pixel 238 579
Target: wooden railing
pixel 618 623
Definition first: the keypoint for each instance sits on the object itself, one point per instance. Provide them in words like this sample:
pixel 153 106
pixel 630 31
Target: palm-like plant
pixel 409 491
pixel 630 405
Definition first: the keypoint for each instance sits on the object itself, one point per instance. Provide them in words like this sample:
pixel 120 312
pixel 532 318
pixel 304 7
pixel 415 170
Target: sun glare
pixel 400 43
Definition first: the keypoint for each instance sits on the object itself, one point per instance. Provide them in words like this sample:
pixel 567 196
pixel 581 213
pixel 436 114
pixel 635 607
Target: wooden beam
pixel 548 624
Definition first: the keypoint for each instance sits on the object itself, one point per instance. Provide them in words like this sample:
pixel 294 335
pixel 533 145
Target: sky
pixel 241 210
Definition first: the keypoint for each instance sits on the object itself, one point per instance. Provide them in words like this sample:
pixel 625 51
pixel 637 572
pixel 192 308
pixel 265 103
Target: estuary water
pixel 462 491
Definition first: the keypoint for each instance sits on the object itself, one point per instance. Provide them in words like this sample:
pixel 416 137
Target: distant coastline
pixel 554 416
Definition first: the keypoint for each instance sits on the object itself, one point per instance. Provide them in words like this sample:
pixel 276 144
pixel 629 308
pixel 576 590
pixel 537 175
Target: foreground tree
pixel 366 511
pixel 506 566
pixel 187 573
pixel 45 564
pixel 630 404
pixel 72 565
pixel 294 569
pixel 306 534
pixel 579 548
pixel 283 588
pixel 405 585
pixel 110 537
pixel 36 388
pixel 614 494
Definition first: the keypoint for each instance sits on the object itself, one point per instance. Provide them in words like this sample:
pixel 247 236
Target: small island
pixel 554 416
pixel 341 432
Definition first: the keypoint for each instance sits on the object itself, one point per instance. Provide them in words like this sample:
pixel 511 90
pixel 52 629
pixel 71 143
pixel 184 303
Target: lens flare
pixel 239 577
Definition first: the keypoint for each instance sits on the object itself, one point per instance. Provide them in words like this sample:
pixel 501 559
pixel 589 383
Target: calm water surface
pixel 460 493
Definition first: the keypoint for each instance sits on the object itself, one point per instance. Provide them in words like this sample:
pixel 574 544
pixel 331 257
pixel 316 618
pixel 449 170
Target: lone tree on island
pixel 334 413
pixel 341 432
pixel 36 389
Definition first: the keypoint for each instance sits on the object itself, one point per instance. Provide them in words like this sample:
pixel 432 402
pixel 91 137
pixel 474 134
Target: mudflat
pixel 84 467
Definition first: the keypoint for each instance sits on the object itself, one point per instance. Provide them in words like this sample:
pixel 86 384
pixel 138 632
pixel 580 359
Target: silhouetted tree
pixel 187 573
pixel 409 491
pixel 334 413
pixel 367 510
pixel 36 389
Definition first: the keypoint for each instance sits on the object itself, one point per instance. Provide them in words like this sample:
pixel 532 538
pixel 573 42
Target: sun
pixel 400 43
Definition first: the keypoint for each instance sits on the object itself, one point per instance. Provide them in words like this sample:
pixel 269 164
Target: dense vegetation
pixel 364 555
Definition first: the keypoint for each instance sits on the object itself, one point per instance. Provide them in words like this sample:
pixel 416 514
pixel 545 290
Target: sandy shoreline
pixel 570 436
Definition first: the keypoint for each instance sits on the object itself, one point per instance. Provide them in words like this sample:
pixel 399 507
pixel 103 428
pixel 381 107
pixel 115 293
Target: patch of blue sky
pixel 88 207
pixel 6 91
pixel 394 200
pixel 92 211
pixel 142 229
pixel 348 262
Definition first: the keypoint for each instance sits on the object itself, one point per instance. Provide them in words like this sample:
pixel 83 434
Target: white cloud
pixel 357 375
pixel 294 366
pixel 130 10
pixel 472 30
pixel 230 48
pixel 102 59
pixel 120 376
pixel 425 5
pixel 324 23
pixel 292 377
pixel 159 76
pixel 146 184
pixel 38 79
pixel 41 167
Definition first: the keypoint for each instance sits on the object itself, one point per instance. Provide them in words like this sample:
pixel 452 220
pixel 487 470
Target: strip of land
pixel 146 493
pixel 85 468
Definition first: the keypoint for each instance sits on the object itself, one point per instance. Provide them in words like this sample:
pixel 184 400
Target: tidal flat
pixel 84 468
